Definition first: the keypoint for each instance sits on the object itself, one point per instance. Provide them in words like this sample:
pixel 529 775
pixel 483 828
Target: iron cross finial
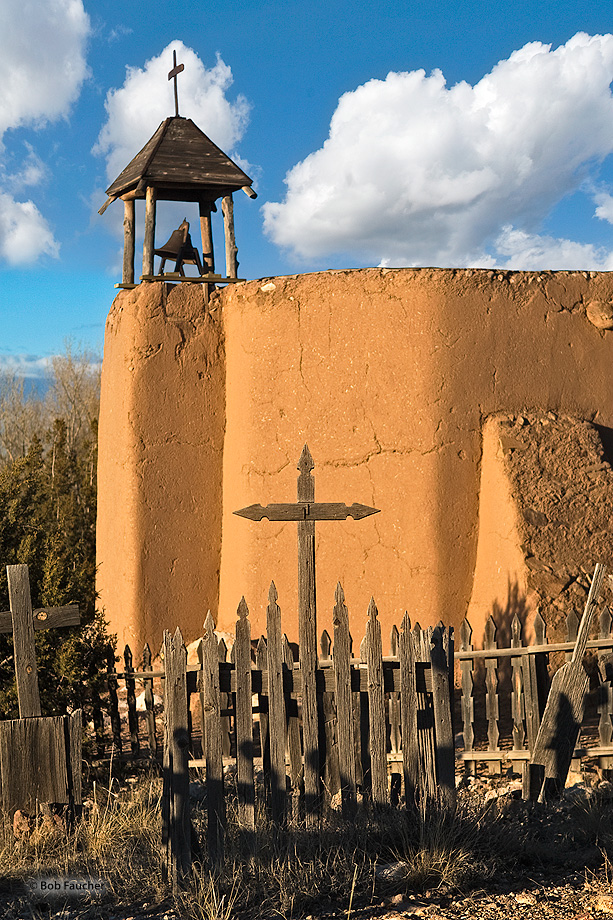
pixel 176 69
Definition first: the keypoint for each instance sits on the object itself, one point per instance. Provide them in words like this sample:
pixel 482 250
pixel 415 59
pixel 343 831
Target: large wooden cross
pixel 174 73
pixel 22 621
pixel 306 511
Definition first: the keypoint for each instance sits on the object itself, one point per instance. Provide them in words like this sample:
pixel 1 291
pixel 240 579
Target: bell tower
pixel 179 163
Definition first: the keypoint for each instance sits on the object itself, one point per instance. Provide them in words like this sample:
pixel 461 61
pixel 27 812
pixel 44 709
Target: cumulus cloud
pixel 534 251
pixel 24 233
pixel 146 98
pixel 42 60
pixel 414 172
pixel 42 68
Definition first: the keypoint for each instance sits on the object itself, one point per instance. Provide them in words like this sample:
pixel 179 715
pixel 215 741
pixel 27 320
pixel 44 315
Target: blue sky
pixel 429 133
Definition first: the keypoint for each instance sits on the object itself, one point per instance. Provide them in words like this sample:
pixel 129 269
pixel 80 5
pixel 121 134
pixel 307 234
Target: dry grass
pixel 294 872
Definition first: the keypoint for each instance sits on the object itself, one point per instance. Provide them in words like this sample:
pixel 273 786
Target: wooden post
pixel 491 697
pixel 276 707
pixel 225 701
pixel 206 234
pixel 261 664
pixel 176 832
pixel 441 663
pixel 408 713
pixel 518 702
pixel 131 700
pixel 128 241
pixel 113 699
pixel 326 713
pixel 605 703
pixel 293 734
pixel 227 209
pixel 149 702
pixel 468 703
pixel 23 641
pixel 149 242
pixel 307 635
pixel 422 640
pixel 244 720
pixel 376 707
pixel 344 708
pixel 211 731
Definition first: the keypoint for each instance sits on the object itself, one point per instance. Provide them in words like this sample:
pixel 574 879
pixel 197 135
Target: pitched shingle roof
pixel 181 162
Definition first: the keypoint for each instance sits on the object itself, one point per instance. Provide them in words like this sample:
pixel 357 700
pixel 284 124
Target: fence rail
pixel 498 706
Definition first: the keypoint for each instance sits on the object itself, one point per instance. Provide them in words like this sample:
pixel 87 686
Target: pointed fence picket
pixel 417 676
pixel 385 723
pixel 529 686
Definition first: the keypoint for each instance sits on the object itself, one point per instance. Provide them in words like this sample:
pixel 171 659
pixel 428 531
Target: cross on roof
pixel 176 70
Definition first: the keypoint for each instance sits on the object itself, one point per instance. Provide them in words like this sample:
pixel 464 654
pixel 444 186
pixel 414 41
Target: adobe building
pixel 473 408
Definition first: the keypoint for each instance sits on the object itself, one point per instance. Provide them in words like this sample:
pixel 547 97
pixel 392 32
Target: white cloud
pixel 533 252
pixel 24 233
pixel 146 98
pixel 32 171
pixel 42 68
pixel 42 60
pixel 605 206
pixel 28 366
pixel 415 173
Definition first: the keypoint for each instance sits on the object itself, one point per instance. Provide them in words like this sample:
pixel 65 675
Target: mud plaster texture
pixel 162 420
pixel 390 376
pixel 544 520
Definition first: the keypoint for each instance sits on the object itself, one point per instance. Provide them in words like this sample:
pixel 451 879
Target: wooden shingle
pixel 182 163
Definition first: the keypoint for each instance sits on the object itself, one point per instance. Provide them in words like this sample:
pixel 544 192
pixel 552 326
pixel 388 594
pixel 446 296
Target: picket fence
pixel 501 691
pixel 504 690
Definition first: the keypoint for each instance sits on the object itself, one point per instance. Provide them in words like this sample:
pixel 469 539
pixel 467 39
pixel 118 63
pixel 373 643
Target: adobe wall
pixel 389 375
pixel 162 418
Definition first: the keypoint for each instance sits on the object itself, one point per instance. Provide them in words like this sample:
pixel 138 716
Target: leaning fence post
pixel 176 831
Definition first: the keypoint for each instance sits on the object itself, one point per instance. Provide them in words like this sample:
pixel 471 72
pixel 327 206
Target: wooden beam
pixel 45 618
pixel 106 204
pixel 249 191
pixel 128 242
pixel 149 243
pixel 227 207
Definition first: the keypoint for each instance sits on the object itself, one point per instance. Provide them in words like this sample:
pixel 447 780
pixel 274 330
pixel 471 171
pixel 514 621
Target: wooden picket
pixel 530 681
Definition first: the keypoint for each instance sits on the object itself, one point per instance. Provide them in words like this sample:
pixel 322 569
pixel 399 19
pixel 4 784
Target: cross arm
pixel 45 618
pixel 306 511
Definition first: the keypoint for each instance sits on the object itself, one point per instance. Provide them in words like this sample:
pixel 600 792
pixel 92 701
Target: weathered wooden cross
pixel 306 511
pixel 22 621
pixel 176 70
pixel 40 758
